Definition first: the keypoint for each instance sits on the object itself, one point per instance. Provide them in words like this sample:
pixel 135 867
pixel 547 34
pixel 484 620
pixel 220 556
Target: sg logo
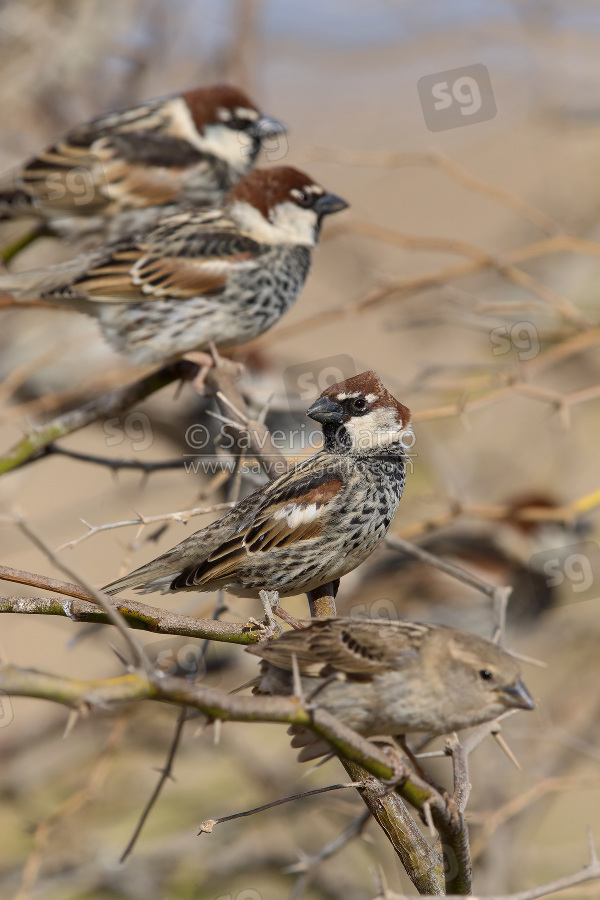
pixel 457 97
pixel 572 569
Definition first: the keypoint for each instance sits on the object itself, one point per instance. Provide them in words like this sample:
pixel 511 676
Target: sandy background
pixel 344 76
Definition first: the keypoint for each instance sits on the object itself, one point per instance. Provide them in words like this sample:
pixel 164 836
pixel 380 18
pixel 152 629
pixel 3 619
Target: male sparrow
pixel 111 174
pixel 311 525
pixel 392 677
pixel 221 276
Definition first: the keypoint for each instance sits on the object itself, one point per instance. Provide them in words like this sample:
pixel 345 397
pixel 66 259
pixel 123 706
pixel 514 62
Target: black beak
pixel 518 696
pixel 266 127
pixel 329 203
pixel 326 411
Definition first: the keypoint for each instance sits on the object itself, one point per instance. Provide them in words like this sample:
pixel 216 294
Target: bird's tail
pixel 154 576
pixel 51 286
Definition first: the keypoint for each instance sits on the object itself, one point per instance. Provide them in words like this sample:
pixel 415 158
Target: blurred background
pixel 466 138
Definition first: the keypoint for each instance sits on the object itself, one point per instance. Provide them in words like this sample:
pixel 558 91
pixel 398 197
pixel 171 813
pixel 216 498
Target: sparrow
pixel 509 551
pixel 391 678
pixel 113 173
pixel 220 276
pixel 311 525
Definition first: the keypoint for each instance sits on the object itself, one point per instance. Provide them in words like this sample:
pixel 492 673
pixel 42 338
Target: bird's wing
pixel 294 508
pixel 353 648
pixel 137 152
pixel 186 255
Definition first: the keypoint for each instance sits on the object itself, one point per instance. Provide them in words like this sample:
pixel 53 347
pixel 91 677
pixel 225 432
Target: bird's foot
pixel 205 362
pixel 270 602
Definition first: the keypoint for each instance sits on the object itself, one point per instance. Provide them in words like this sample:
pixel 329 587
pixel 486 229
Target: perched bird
pixel 111 174
pixel 391 678
pixel 196 277
pixel 311 525
pixel 505 551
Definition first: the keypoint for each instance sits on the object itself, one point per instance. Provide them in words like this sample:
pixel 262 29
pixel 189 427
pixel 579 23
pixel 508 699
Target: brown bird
pixel 111 174
pixel 392 678
pixel 221 276
pixel 311 525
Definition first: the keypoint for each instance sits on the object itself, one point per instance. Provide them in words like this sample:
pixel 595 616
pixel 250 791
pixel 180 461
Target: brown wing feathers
pixel 271 529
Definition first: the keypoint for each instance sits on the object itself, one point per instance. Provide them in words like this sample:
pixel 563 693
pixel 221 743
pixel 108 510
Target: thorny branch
pixel 182 516
pixel 588 873
pixel 33 446
pixel 83 608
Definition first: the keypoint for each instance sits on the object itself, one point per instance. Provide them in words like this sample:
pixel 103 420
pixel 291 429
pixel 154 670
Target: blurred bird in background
pixel 217 276
pixel 511 551
pixel 116 173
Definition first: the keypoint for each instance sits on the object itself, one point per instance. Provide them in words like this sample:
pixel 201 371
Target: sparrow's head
pixel 281 205
pixel 485 680
pixel 360 416
pixel 229 124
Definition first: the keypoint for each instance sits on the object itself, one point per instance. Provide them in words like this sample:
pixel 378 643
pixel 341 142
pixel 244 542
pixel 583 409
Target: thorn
pixel 297 680
pixel 124 662
pixel 264 411
pixel 243 418
pixel 591 846
pixel 165 774
pixel 201 728
pixel 318 764
pixel 218 728
pixel 507 749
pixel 71 721
pixel 531 660
pixel 429 818
pixel 298 868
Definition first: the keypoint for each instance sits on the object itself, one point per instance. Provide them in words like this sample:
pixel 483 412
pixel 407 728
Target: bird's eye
pixel 237 123
pixel 303 199
pixel 359 403
pixel 485 674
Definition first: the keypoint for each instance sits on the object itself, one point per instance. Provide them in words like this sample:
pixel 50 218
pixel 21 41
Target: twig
pixel 492 820
pixel 138 615
pixel 442 162
pixel 182 516
pixel 588 873
pixel 307 865
pixel 424 865
pixel 166 771
pixel 135 648
pixel 132 686
pixel 229 399
pixel 490 590
pixel 33 446
pixel 460 766
pixel 207 826
pixel 147 466
pixel 165 774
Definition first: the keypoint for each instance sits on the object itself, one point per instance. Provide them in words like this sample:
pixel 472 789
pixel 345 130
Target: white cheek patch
pixel 379 428
pixel 296 225
pixel 184 125
pixel 290 225
pixel 298 514
pixel 227 144
pixel 234 147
